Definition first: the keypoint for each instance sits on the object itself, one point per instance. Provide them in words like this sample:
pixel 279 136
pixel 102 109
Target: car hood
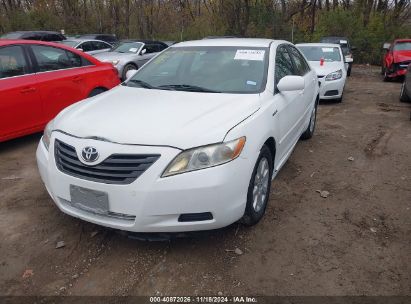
pixel 327 68
pixel 109 56
pixel 400 56
pixel 157 117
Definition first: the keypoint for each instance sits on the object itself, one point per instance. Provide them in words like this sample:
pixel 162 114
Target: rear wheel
pixel 403 94
pixel 309 132
pixel 259 188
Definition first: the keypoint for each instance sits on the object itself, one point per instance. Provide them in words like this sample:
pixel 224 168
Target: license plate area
pixel 89 200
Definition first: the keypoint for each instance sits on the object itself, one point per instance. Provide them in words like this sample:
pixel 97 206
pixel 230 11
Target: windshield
pixel 316 53
pixel 128 47
pixel 206 69
pixel 402 46
pixel 71 43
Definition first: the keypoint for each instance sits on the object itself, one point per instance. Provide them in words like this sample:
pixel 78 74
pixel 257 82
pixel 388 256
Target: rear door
pixel 61 76
pixel 20 102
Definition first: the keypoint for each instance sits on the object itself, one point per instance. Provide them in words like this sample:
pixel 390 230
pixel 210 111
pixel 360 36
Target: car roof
pixel 319 44
pixel 141 40
pixel 245 42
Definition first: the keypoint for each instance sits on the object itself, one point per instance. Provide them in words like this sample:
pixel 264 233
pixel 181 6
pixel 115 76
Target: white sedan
pixel 329 63
pixel 189 142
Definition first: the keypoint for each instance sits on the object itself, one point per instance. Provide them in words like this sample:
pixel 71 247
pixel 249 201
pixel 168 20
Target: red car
pixel 396 59
pixel 39 79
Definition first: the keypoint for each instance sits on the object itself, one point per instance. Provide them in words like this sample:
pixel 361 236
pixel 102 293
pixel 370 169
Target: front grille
pixel 116 169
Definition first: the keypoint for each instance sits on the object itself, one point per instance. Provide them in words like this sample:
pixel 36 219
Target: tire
pixel 309 132
pixel 386 78
pixel 259 188
pixel 127 68
pixel 96 91
pixel 339 100
pixel 403 94
pixel 349 70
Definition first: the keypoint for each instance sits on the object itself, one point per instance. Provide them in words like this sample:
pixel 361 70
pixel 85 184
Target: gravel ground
pixel 354 242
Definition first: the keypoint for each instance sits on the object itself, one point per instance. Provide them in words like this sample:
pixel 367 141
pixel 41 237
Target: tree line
pixel 368 23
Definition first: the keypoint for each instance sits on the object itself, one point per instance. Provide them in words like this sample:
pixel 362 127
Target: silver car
pixel 88 46
pixel 131 54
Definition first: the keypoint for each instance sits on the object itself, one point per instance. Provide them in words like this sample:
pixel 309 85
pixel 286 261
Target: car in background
pixel 405 95
pixel 39 79
pixel 131 54
pixel 91 47
pixel 190 142
pixel 396 59
pixel 34 35
pixel 328 62
pixel 109 38
pixel 346 48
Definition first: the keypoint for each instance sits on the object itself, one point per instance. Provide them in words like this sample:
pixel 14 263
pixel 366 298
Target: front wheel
pixel 127 68
pixel 259 188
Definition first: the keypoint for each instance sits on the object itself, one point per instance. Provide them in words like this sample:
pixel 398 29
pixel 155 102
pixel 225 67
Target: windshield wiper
pixel 141 83
pixel 186 87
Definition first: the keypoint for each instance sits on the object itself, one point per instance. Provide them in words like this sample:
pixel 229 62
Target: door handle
pixel 27 90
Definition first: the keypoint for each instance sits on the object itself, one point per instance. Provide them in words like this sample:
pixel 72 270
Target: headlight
pixel 47 134
pixel 115 62
pixel 334 75
pixel 205 157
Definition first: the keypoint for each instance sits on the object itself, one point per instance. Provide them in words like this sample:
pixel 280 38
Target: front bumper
pixel 331 89
pixel 152 203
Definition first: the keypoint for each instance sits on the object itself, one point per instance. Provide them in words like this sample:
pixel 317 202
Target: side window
pixel 151 48
pixel 75 60
pixel 300 64
pixel 12 62
pixel 283 64
pixel 32 36
pixel 52 59
pixel 162 47
pixel 87 46
pixel 101 45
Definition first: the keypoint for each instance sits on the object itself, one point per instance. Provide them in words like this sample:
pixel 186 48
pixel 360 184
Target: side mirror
pixel 348 59
pixel 386 46
pixel 130 73
pixel 143 51
pixel 291 83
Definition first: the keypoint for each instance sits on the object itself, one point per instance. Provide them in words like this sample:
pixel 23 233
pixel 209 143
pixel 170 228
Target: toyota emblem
pixel 89 154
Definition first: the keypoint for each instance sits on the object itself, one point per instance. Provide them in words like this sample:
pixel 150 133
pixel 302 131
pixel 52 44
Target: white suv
pixel 190 142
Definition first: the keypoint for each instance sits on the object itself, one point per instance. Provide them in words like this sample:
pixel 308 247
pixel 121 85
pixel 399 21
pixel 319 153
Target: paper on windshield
pixel 257 55
pixel 133 50
pixel 327 50
pixel 343 41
